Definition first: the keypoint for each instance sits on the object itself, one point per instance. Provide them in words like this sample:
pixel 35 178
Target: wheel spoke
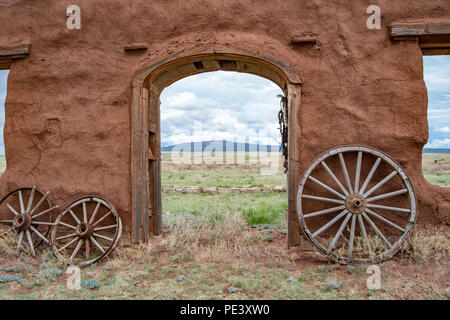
pixel 77 248
pixel 387 195
pixel 370 205
pixel 30 242
pixel 335 179
pixel 88 248
pixel 364 233
pixel 45 211
pixel 39 203
pixel 369 177
pixel 327 187
pixel 318 213
pixel 74 216
pixel 102 237
pixel 6 221
pixel 39 234
pixel 98 245
pixel 338 234
pixel 19 243
pixel 344 170
pixel 330 223
pixel 95 213
pixel 374 227
pixel 358 171
pixel 66 236
pixel 379 184
pixel 352 237
pixel 30 200
pixel 102 218
pixel 12 209
pixel 84 213
pixel 67 244
pixel 43 223
pixel 66 225
pixel 376 215
pixel 22 206
pixel 106 227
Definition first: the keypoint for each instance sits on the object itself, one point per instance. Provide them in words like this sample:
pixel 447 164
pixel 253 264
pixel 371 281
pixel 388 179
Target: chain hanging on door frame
pixel 283 121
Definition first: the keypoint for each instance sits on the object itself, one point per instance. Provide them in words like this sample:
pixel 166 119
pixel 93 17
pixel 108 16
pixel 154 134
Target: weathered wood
pixel 412 30
pixel 436 51
pixel 303 39
pixel 433 39
pixel 136 163
pixel 155 172
pixel 294 100
pixel 15 52
pixel 146 179
pixel 136 47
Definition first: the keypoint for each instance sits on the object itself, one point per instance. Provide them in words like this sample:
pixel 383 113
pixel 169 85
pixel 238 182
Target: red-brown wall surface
pixel 67 126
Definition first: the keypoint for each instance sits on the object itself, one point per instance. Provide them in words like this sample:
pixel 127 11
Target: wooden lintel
pixel 16 52
pixel 435 51
pixel 433 39
pixel 402 31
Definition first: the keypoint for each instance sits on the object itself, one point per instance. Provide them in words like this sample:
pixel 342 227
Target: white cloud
pixel 443 143
pixel 444 129
pixel 228 105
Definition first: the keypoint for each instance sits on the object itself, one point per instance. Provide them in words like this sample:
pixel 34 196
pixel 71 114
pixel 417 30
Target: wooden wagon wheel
pixel 86 231
pixel 28 212
pixel 368 193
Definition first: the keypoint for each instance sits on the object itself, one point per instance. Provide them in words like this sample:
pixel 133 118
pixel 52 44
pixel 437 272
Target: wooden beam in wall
pixel 8 54
pixel 433 39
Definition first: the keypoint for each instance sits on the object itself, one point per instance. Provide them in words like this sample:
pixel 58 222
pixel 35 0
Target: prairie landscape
pixel 233 246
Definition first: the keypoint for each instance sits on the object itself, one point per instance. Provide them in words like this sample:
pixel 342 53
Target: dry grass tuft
pixel 209 238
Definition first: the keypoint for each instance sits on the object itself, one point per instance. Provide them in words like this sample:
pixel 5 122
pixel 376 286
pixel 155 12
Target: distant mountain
pixel 220 146
pixel 432 150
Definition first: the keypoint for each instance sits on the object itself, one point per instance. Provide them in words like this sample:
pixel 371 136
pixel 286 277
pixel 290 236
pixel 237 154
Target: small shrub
pixel 90 283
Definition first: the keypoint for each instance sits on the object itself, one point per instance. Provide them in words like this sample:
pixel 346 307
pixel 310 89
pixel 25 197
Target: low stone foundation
pixel 195 189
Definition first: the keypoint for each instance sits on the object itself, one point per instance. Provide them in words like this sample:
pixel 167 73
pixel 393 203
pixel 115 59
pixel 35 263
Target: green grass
pixel 266 213
pixel 255 208
pixel 436 168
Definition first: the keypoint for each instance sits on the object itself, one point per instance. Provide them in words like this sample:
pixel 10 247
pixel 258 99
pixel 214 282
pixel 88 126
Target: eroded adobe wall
pixel 68 107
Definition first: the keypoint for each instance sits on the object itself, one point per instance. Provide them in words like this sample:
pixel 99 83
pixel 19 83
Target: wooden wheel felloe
pixel 356 205
pixel 86 231
pixel 28 212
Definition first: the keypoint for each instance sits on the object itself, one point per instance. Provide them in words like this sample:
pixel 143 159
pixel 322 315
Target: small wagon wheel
pixel 86 231
pixel 28 212
pixel 356 205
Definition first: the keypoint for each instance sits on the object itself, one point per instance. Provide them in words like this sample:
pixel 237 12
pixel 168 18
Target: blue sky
pixel 237 106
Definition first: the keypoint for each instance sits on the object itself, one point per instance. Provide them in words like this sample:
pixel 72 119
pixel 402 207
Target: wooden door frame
pixel 146 86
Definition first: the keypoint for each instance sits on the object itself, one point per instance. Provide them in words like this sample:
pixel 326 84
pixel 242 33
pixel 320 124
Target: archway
pixel 147 86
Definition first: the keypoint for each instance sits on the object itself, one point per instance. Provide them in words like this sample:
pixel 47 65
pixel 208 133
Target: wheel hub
pixel 84 230
pixel 22 221
pixel 355 203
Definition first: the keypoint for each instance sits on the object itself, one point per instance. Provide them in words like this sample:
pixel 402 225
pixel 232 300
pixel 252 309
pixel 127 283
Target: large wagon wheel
pixel 368 193
pixel 28 212
pixel 86 231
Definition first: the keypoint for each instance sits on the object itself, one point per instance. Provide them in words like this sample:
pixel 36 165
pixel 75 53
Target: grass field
pixel 436 167
pixel 233 246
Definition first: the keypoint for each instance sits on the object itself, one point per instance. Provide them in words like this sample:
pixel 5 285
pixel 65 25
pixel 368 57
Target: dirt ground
pixel 219 265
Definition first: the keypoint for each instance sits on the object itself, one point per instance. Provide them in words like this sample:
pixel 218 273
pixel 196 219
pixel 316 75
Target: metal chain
pixel 283 121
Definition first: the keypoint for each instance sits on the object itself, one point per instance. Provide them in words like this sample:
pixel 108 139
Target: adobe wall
pixel 68 116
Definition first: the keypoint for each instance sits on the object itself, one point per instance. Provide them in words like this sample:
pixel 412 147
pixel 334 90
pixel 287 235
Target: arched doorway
pixel 147 86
